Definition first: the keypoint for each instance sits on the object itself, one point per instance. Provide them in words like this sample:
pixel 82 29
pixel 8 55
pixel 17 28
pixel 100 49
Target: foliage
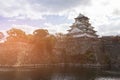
pixel 16 35
pixel 1 35
pixel 36 47
pixel 40 33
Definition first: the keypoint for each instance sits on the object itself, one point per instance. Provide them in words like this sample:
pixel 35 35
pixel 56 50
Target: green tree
pixel 39 39
pixel 30 38
pixel 16 35
pixel 40 33
pixel 43 45
pixel 50 42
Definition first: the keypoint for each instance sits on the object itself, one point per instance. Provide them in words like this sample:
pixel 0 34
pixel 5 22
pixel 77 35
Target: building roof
pixel 81 16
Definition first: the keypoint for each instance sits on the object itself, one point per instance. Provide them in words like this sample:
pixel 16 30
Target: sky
pixel 58 15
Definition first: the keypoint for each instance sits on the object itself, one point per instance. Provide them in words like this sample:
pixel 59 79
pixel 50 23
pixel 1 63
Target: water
pixel 57 73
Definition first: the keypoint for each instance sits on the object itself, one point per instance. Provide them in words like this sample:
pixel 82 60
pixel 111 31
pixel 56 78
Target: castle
pixel 82 28
pixel 81 45
pixel 82 42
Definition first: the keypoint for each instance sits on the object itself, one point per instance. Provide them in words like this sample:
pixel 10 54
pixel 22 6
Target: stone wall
pixel 105 49
pixel 111 48
pixel 72 47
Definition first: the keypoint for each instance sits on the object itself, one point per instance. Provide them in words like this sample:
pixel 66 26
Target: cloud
pixel 27 28
pixel 61 28
pixel 104 16
pixel 52 28
pixel 116 12
pixel 102 13
pixel 112 28
pixel 35 9
pixel 18 9
pixel 59 5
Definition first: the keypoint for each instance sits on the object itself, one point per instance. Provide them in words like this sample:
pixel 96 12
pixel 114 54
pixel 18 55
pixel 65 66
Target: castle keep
pixel 82 28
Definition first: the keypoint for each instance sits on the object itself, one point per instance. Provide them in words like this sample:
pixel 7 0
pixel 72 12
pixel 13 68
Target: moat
pixel 58 73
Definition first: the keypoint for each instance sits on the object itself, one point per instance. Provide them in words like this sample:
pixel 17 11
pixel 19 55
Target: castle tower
pixel 82 28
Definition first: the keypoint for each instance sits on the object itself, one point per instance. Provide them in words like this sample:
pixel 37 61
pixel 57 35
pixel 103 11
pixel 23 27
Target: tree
pixel 16 35
pixel 43 45
pixel 1 35
pixel 59 36
pixel 39 39
pixel 50 42
pixel 41 33
pixel 30 38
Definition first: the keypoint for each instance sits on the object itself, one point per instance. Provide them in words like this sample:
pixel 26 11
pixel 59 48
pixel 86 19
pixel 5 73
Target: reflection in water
pixel 107 78
pixel 57 73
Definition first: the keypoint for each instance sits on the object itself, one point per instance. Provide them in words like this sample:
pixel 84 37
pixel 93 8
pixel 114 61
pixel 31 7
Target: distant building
pixel 82 28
